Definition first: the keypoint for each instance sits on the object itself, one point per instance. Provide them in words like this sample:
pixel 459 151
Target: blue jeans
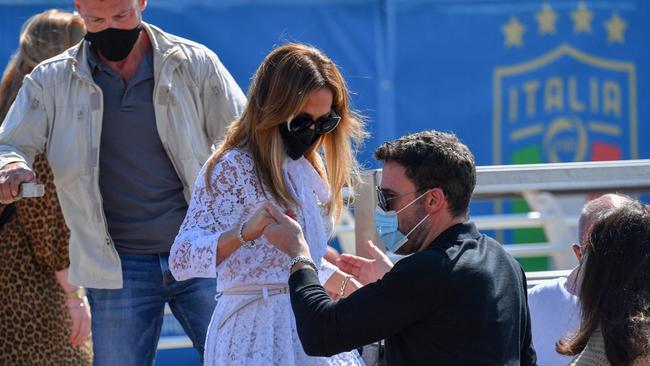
pixel 126 322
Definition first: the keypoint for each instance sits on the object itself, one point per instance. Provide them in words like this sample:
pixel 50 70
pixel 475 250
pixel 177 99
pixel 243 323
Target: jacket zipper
pixel 155 99
pixel 107 236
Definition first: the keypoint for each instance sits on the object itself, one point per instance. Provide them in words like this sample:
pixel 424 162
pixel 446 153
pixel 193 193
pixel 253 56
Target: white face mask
pixel 386 224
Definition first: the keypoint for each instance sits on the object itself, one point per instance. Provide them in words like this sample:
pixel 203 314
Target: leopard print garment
pixel 34 319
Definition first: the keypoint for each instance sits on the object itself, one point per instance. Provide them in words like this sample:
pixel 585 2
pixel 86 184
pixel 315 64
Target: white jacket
pixel 59 111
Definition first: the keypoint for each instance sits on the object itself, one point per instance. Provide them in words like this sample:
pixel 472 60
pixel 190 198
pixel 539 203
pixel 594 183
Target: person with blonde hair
pixel 46 320
pixel 293 145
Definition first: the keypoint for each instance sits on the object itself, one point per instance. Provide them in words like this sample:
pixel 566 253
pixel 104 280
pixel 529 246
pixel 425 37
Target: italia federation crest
pixel 565 93
pixel 565 104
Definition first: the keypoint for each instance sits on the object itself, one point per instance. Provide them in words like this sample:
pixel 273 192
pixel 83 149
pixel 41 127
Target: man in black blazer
pixel 457 299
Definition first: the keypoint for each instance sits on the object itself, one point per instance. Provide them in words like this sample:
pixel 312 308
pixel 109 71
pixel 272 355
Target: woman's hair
pixel 279 89
pixel 615 290
pixel 43 36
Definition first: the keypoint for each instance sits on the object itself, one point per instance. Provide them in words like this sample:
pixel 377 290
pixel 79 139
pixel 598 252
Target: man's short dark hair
pixel 435 159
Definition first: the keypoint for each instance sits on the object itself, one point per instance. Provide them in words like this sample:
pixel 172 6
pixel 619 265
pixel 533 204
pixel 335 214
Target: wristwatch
pixel 79 293
pixel 302 259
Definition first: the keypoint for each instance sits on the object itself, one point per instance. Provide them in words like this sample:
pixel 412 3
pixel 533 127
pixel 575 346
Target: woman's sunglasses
pixel 323 125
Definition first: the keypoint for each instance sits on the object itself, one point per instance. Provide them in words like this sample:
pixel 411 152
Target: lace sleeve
pixel 210 213
pixel 326 271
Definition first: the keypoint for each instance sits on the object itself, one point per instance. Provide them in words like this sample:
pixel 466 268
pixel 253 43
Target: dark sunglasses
pixel 323 125
pixel 384 197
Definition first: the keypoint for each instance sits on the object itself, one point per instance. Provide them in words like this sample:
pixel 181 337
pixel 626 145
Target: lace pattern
pixel 263 333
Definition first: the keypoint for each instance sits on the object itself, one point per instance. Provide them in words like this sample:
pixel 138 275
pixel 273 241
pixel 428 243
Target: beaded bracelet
pixel 244 243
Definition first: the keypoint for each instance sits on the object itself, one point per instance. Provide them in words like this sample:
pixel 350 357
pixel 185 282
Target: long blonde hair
pixel 43 36
pixel 280 88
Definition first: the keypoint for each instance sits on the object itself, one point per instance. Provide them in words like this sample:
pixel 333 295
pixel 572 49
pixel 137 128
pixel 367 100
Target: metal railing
pixel 536 278
pixel 544 187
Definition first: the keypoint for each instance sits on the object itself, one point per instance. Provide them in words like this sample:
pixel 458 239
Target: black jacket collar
pixel 454 233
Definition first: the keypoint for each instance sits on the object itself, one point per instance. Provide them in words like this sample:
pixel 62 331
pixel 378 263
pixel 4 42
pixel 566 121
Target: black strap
pixel 7 214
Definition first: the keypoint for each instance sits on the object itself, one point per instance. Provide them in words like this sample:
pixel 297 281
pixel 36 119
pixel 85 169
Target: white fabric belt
pixel 256 293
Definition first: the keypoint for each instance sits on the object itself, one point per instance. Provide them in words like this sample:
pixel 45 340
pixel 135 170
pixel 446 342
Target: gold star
pixel 615 29
pixel 514 32
pixel 546 20
pixel 582 19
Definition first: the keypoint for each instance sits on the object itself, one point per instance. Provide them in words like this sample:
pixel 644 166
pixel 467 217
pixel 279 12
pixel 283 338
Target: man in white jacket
pixel 126 119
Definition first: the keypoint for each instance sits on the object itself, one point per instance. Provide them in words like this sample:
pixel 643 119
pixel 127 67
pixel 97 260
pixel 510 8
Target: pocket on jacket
pixel 70 151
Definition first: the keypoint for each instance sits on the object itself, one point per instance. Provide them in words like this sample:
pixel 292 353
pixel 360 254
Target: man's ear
pixel 435 200
pixel 576 251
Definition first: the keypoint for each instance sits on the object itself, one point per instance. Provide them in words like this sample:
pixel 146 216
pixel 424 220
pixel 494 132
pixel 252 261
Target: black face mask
pixel 297 143
pixel 114 44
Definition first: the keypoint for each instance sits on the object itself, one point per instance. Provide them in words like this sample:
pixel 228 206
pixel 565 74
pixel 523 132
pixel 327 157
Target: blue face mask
pixel 387 226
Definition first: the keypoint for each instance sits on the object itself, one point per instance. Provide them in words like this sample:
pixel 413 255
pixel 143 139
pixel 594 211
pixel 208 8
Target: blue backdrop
pixel 518 81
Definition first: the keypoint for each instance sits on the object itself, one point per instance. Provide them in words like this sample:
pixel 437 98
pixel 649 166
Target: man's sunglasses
pixel 384 197
pixel 323 125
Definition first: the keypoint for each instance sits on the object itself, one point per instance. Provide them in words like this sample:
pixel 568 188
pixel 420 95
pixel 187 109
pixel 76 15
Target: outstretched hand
pixel 365 270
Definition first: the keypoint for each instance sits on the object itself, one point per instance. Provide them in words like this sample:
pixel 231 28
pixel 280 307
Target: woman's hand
pixel 254 227
pixel 79 310
pixel 285 233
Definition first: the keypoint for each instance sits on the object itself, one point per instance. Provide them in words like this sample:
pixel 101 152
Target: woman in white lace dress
pixel 293 145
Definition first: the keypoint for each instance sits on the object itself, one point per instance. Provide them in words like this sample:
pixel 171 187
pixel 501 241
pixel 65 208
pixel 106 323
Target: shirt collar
pixel 144 69
pixel 93 60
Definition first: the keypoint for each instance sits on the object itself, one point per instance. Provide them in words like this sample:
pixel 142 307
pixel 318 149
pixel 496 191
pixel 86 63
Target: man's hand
pixel 365 270
pixel 80 314
pixel 285 233
pixel 12 176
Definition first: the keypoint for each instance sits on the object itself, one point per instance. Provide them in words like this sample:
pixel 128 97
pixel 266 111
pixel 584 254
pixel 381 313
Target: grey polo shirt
pixel 142 193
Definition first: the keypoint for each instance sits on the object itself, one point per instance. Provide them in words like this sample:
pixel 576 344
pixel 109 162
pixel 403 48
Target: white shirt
pixel 554 312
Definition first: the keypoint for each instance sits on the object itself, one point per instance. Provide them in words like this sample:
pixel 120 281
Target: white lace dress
pixel 262 332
